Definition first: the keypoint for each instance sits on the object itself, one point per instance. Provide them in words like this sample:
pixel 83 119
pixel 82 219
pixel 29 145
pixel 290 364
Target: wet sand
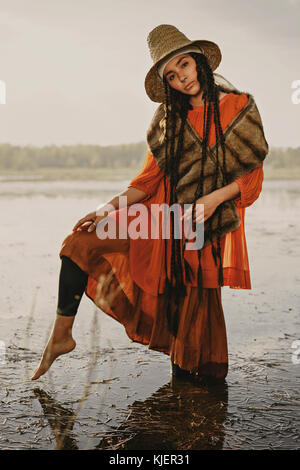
pixel 132 402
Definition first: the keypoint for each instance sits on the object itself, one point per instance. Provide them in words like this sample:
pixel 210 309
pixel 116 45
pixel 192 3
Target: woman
pixel 206 148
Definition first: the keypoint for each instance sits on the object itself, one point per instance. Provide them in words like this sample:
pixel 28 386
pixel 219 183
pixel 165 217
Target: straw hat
pixel 163 42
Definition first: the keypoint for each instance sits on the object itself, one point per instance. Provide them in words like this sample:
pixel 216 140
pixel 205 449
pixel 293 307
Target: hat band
pixel 186 49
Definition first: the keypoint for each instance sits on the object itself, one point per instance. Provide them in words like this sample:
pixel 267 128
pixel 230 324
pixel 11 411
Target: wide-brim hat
pixel 163 41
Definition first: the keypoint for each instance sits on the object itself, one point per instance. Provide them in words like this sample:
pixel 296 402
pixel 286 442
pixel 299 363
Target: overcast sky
pixel 75 69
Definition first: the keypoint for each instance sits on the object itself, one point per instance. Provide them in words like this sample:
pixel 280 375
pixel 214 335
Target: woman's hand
pixel 89 222
pixel 210 201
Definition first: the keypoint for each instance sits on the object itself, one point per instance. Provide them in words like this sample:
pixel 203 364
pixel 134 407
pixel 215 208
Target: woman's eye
pixel 172 76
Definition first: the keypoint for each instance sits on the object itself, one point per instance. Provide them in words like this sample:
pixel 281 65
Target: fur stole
pixel 245 146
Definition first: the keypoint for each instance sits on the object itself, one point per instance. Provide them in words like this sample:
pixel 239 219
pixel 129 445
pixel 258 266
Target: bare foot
pixel 52 351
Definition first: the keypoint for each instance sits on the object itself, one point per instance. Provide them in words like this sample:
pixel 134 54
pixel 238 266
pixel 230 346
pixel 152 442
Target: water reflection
pixel 60 420
pixel 180 415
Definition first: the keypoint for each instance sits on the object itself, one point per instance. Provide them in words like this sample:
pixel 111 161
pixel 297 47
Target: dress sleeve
pixel 149 177
pixel 250 187
pixel 250 184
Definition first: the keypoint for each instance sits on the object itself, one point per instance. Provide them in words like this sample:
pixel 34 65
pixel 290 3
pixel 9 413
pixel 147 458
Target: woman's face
pixel 181 74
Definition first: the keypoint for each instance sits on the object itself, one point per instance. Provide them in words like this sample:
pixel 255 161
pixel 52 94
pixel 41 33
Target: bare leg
pixel 60 342
pixel 72 283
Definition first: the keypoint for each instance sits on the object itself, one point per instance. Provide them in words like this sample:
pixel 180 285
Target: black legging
pixel 72 284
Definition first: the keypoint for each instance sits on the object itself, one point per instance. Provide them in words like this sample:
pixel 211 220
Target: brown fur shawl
pixel 245 146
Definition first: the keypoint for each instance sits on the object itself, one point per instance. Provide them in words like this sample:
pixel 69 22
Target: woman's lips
pixel 189 86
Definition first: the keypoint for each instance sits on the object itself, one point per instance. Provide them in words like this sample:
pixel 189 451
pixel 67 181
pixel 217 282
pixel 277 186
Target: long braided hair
pixel 177 102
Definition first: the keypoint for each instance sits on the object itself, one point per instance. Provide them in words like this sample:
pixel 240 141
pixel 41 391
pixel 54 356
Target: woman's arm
pixel 250 186
pixel 90 220
pixel 133 195
pixel 230 191
pixel 211 201
pixel 244 191
pixel 144 184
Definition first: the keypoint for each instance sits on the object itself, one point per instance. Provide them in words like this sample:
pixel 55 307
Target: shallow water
pixel 132 402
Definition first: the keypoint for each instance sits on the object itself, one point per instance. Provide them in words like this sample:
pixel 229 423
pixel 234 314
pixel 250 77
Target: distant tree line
pixel 114 156
pixel 283 157
pixel 71 156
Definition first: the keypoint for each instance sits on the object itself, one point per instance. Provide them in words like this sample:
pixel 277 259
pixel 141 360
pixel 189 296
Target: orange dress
pixel 201 342
pixel 147 256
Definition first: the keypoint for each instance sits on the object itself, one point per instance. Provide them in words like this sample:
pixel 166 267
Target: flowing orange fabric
pixel 201 342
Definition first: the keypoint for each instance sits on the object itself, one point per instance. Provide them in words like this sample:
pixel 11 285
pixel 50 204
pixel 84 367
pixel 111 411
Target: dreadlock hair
pixel 177 102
